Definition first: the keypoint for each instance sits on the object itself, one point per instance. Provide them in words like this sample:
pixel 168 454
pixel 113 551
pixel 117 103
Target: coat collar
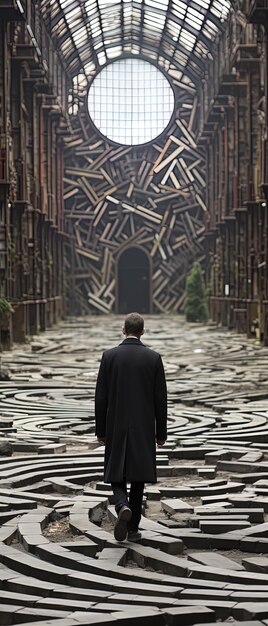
pixel 131 340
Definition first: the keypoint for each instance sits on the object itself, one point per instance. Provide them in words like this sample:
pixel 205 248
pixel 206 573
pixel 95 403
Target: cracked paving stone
pixel 201 522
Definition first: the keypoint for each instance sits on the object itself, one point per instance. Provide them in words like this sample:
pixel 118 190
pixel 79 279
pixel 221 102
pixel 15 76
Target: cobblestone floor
pixel 203 556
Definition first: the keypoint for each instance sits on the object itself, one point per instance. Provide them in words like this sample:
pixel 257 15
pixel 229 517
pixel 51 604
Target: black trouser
pixel 134 501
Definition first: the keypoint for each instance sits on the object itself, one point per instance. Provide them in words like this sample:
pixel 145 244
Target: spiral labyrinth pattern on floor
pixel 203 555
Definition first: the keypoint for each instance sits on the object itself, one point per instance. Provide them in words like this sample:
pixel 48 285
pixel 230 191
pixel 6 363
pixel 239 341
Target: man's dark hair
pixel 134 324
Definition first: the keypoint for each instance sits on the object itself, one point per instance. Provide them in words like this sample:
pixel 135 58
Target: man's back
pixel 132 369
pixel 131 415
pixel 131 409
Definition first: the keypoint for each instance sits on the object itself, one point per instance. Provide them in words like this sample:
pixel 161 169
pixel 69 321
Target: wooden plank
pixel 162 153
pixel 201 202
pixel 88 254
pixel 146 213
pixel 70 193
pixel 168 159
pixel 74 171
pixel 174 180
pixel 193 114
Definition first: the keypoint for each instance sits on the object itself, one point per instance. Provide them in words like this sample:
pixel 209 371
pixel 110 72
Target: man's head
pixel 133 325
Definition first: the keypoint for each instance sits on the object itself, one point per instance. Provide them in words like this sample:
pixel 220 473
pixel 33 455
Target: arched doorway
pixel 134 281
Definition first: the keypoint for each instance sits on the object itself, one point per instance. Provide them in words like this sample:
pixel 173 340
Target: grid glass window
pixel 130 101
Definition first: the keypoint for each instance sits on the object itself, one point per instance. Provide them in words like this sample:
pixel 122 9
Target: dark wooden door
pixel 134 282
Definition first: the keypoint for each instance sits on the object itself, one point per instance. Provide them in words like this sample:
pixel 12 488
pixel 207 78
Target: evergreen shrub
pixel 196 308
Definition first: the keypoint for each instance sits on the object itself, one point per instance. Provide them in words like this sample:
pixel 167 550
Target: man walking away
pixel 131 417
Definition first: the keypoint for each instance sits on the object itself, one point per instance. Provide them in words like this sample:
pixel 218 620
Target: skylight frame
pixel 86 31
pixel 137 128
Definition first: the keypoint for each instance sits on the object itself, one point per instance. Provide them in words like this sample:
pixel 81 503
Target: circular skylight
pixel 130 101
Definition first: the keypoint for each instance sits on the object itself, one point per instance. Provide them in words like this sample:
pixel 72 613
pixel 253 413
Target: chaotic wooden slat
pixel 122 196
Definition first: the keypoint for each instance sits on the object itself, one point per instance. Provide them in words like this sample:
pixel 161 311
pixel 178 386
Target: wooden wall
pixel 33 122
pixel 150 196
pixel 234 136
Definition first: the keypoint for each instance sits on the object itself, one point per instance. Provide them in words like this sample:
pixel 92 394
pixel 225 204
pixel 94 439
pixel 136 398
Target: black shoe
pixel 120 529
pixel 134 535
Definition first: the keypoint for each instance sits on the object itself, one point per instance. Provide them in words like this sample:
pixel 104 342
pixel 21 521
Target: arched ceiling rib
pixel 180 33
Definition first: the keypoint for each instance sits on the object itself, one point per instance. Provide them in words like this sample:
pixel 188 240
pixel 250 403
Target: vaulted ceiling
pixel 172 33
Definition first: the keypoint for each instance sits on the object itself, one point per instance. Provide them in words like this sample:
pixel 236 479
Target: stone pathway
pixel 203 557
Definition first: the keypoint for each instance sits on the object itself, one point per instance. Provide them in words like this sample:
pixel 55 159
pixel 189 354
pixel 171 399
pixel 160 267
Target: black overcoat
pixel 131 410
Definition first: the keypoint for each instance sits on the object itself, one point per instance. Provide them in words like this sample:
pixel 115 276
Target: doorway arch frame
pixel 150 265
